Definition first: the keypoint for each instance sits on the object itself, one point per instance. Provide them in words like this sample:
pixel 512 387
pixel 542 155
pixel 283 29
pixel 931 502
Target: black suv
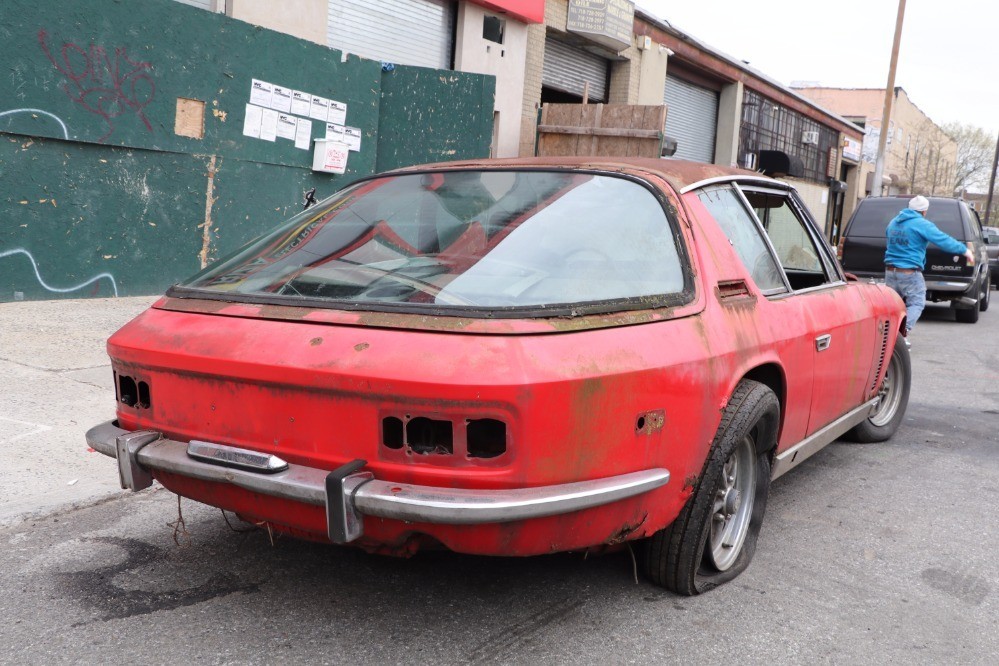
pixel 948 276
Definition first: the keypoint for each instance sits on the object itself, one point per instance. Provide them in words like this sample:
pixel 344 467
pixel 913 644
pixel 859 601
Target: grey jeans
pixel 912 289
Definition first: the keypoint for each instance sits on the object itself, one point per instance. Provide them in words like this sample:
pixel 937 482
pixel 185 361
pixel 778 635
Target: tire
pixel 983 300
pixel 713 539
pixel 968 315
pixel 894 395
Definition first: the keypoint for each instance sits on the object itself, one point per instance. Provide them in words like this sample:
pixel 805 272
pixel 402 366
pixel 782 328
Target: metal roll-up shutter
pixel 568 69
pixel 404 32
pixel 691 119
pixel 203 4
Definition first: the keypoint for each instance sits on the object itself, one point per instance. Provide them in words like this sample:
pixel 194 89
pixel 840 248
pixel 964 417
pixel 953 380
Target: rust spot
pixel 648 423
pixel 621 535
pixel 690 482
pixel 315 342
pixel 361 347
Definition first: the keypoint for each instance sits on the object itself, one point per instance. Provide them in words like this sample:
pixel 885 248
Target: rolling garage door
pixel 568 69
pixel 691 119
pixel 202 4
pixel 404 32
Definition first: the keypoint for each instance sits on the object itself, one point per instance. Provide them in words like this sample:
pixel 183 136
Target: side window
pixel 727 208
pixel 972 220
pixel 796 248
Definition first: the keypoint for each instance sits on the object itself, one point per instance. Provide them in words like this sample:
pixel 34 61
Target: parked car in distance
pixel 991 235
pixel 949 278
pixel 514 357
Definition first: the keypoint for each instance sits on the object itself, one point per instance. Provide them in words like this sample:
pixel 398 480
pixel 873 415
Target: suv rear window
pixel 873 216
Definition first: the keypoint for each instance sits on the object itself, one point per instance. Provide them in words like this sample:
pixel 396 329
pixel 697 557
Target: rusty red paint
pixel 314 385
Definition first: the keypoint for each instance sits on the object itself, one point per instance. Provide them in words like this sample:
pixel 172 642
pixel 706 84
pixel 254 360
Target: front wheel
pixel 713 539
pixel 893 398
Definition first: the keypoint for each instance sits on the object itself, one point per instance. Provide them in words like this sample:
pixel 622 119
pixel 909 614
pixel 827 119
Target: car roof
pixel 910 196
pixel 681 174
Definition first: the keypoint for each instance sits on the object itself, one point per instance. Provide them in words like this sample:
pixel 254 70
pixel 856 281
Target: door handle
pixel 822 342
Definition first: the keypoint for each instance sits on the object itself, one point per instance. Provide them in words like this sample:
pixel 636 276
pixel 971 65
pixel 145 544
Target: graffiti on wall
pixel 105 84
pixel 61 290
pixel 36 113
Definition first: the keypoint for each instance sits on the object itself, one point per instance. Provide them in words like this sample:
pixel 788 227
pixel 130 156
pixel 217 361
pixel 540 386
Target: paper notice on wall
pixel 251 121
pixel 335 133
pixel 301 103
pixel 281 99
pixel 320 108
pixel 287 125
pixel 303 134
pixel 330 156
pixel 352 137
pixel 268 124
pixel 338 113
pixel 260 93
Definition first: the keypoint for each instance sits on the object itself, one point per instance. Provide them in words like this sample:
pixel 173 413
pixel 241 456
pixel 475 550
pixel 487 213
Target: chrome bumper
pixel 348 493
pixel 948 286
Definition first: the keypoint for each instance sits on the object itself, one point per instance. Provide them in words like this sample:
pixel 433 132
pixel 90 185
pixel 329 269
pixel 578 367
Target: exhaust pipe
pixel 967 300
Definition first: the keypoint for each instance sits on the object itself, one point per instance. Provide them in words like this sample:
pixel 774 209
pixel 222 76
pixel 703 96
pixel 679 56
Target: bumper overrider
pixel 349 493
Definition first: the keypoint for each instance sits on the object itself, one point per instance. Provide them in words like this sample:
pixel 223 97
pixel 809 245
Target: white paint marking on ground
pixel 36 428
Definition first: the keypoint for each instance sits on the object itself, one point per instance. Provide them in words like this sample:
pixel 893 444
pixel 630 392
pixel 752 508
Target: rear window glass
pixel 873 216
pixel 468 240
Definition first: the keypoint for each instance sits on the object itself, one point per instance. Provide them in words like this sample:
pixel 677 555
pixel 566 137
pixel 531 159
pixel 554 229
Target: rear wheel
pixel 893 398
pixel 986 296
pixel 713 539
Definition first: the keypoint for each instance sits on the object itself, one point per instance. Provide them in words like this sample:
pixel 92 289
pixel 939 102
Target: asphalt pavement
pixel 869 554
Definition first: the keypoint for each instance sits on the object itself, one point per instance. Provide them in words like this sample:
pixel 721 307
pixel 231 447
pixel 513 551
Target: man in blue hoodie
pixel 908 235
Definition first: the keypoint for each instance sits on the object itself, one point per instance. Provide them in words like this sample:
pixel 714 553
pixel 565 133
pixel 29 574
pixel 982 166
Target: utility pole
pixel 879 168
pixel 992 184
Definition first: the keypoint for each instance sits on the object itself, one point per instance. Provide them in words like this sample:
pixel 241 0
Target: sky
pixel 948 61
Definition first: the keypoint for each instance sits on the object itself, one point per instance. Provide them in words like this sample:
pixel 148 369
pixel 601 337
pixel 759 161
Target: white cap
pixel 919 203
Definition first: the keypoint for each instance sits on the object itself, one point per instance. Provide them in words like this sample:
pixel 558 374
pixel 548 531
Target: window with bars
pixel 767 125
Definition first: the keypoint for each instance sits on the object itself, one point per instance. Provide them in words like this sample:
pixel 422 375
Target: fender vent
pixel 728 290
pixel 883 332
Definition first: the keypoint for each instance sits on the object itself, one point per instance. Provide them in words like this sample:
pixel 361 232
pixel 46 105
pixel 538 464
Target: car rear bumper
pixel 955 287
pixel 350 493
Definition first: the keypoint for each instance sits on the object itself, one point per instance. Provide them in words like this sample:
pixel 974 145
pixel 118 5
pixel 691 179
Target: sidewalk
pixel 57 383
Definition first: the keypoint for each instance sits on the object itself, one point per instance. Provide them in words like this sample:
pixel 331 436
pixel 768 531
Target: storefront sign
pixel 609 23
pixel 851 149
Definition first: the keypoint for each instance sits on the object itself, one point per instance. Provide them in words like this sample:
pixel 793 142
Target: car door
pixel 782 324
pixel 840 329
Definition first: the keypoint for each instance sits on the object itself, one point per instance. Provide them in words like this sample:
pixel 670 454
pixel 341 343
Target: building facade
pixel 474 36
pixel 920 158
pixel 573 51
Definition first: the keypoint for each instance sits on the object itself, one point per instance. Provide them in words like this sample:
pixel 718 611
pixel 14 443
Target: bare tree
pixel 927 158
pixel 974 155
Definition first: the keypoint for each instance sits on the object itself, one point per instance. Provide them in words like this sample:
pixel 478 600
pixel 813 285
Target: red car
pixel 514 357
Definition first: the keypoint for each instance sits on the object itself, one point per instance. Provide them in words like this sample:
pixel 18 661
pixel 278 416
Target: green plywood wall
pixel 88 112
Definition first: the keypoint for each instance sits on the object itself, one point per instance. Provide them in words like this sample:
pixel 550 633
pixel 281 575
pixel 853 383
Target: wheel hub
pixel 731 502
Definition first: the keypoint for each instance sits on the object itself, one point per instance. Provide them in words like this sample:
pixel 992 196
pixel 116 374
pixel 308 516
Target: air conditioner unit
pixel 810 137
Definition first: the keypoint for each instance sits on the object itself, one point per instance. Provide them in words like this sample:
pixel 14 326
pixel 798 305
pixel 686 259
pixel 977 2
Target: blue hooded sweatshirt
pixel 908 235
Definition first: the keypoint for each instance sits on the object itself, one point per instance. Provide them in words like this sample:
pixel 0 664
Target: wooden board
pixel 604 130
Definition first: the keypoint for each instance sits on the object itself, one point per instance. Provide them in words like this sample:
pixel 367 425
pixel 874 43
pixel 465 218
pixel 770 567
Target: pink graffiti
pixel 105 85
